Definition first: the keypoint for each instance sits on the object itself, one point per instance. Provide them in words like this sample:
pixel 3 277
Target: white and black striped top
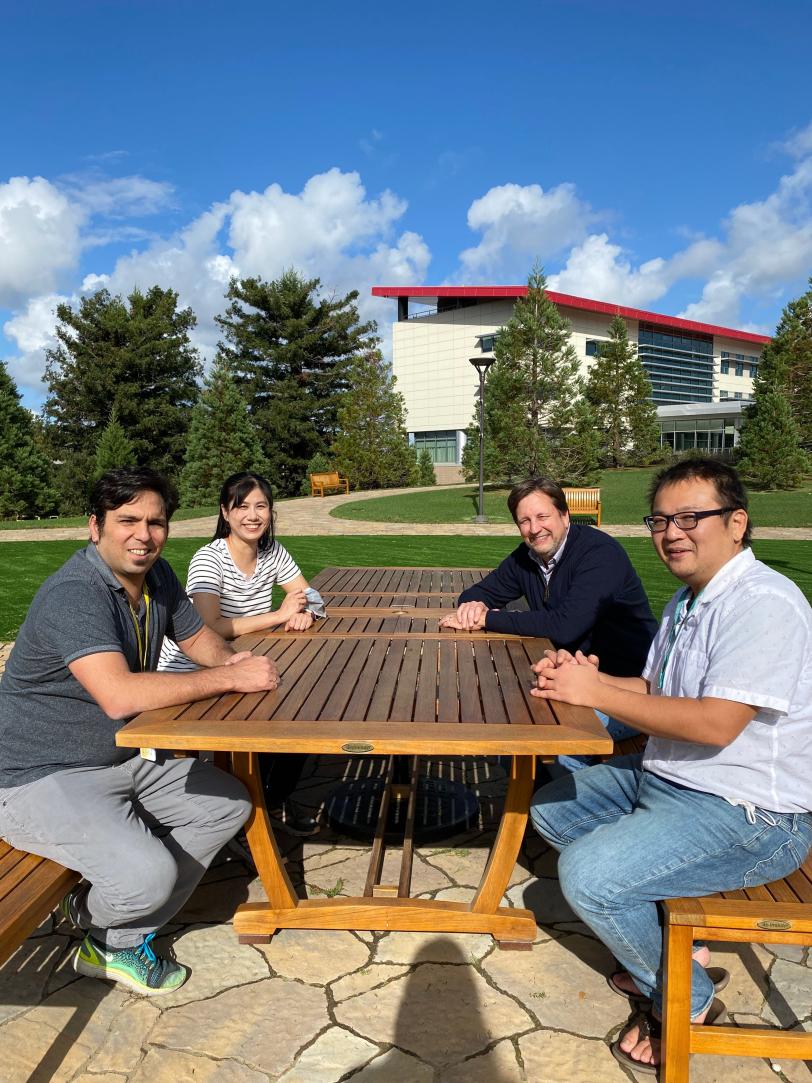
pixel 213 571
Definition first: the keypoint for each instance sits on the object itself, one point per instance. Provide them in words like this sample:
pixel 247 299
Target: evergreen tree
pixel 26 487
pixel 372 446
pixel 425 468
pixel 619 391
pixel 786 363
pixel 134 355
pixel 290 348
pixel 319 464
pixel 222 439
pixel 532 390
pixel 114 448
pixel 771 457
pixel 581 449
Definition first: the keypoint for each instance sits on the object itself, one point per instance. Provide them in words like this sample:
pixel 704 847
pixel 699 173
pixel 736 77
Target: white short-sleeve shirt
pixel 212 571
pixel 747 638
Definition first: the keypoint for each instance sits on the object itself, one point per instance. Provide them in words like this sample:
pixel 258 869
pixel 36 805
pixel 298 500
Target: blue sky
pixel 658 155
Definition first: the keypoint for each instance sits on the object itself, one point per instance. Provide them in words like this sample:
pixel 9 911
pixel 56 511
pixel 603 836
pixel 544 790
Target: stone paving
pixel 319 1007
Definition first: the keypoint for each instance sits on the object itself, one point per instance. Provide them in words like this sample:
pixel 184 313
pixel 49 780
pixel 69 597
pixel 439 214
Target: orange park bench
pixel 584 502
pixel 30 888
pixel 332 480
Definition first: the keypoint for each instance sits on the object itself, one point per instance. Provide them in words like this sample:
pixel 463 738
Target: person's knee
pixel 145 882
pixel 582 875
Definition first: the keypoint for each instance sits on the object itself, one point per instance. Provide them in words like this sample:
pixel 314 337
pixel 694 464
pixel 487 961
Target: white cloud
pixel 117 197
pixel 521 223
pixel 40 238
pixel 331 230
pixel 32 330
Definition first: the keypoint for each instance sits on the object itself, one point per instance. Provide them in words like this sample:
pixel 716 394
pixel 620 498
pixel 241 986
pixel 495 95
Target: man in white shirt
pixel 720 799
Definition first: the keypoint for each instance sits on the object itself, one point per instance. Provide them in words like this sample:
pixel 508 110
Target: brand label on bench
pixel 778 925
pixel 354 747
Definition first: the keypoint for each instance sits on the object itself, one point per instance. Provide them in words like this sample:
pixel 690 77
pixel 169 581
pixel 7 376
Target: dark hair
pixel 728 484
pixel 235 489
pixel 537 485
pixel 120 486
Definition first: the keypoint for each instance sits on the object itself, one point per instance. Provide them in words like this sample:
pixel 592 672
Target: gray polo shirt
pixel 48 721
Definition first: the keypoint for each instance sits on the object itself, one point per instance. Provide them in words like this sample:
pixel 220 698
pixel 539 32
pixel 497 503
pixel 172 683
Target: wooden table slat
pixel 358 706
pixel 493 708
pixel 470 707
pixel 448 700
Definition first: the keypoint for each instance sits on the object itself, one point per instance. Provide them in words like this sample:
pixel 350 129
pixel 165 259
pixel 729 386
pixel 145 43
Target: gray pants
pixel 141 833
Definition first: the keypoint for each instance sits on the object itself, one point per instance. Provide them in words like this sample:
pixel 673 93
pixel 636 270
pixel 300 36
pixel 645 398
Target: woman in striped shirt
pixel 231 583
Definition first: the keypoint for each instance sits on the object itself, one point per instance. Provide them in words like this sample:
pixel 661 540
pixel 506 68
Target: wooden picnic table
pixel 385 684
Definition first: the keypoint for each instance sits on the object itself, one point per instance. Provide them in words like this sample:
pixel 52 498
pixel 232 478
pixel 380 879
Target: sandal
pixel 717 974
pixel 649 1027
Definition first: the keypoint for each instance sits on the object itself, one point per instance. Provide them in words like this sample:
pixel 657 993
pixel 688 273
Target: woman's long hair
pixel 235 489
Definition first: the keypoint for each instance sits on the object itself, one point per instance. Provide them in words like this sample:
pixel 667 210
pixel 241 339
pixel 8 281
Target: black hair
pixel 235 489
pixel 728 484
pixel 120 486
pixel 537 485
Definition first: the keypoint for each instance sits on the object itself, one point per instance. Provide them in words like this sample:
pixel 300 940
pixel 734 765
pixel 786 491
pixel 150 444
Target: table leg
pixel 506 847
pixel 509 926
pixel 269 863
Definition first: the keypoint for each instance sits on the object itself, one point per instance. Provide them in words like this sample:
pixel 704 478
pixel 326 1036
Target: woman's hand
pixel 293 603
pixel 299 622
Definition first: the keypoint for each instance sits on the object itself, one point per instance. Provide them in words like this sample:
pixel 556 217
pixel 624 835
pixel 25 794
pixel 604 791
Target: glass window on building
pixel 593 347
pixel 680 366
pixel 723 394
pixel 753 371
pixel 724 368
pixel 487 343
pixel 740 368
pixel 442 445
pixel 737 394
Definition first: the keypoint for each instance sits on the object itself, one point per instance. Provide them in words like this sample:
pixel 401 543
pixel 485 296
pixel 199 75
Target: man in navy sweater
pixel 580 586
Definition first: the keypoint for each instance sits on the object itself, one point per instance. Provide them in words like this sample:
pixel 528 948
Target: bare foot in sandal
pixel 622 982
pixel 639 1047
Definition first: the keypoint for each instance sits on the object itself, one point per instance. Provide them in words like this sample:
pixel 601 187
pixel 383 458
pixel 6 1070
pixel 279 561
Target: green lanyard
pixel 143 645
pixel 684 607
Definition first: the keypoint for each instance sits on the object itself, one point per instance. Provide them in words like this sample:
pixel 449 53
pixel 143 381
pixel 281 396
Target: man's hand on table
pixel 572 678
pixel 253 674
pixel 469 617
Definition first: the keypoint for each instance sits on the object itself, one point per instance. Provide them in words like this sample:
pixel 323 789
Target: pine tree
pixel 771 457
pixel 531 393
pixel 26 488
pixel 222 439
pixel 134 355
pixel 114 449
pixel 425 468
pixel 289 348
pixel 372 446
pixel 619 391
pixel 786 363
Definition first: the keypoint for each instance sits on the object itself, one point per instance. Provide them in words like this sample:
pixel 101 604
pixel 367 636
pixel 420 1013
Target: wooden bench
pixel 584 502
pixel 328 480
pixel 30 888
pixel 776 913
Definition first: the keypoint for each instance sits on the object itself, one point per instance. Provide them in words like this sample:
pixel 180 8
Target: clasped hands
pixel 570 678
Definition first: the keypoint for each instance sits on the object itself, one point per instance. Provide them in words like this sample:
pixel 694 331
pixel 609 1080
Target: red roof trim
pixel 569 301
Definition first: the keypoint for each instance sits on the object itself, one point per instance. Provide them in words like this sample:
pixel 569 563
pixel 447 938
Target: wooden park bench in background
pixel 584 502
pixel 30 888
pixel 328 480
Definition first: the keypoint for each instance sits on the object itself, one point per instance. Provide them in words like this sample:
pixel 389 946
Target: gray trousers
pixel 141 833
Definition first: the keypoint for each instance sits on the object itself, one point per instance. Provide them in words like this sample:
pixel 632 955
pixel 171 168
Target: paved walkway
pixel 311 516
pixel 319 1007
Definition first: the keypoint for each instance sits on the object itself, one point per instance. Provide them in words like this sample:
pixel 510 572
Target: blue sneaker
pixel 139 968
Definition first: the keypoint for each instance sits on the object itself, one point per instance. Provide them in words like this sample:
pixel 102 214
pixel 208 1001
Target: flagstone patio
pixel 319 1007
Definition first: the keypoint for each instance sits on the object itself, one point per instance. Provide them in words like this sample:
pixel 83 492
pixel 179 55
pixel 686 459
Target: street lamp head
pixel 481 364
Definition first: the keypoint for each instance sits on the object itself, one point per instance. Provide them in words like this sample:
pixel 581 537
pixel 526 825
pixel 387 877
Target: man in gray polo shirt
pixel 142 831
pixel 721 799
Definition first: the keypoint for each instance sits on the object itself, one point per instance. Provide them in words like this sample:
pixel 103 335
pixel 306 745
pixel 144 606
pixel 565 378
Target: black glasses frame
pixel 650 520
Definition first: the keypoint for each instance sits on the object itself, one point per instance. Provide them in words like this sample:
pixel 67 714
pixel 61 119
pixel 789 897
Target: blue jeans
pixel 629 839
pixel 618 731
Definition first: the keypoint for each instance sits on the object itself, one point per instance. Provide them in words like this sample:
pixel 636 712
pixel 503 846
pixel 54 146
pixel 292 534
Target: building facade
pixel 696 367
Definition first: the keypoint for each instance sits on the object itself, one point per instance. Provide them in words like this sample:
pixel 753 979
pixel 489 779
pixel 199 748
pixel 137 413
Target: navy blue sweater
pixel 595 601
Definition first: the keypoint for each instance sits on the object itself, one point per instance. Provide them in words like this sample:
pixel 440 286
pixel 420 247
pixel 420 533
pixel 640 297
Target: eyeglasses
pixel 685 520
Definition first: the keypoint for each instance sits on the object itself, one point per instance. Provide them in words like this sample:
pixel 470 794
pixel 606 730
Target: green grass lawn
pixel 81 520
pixel 26 564
pixel 623 499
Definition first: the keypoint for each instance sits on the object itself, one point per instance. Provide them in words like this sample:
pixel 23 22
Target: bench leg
pixel 677 967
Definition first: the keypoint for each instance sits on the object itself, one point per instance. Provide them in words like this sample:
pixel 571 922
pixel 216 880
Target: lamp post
pixel 481 364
